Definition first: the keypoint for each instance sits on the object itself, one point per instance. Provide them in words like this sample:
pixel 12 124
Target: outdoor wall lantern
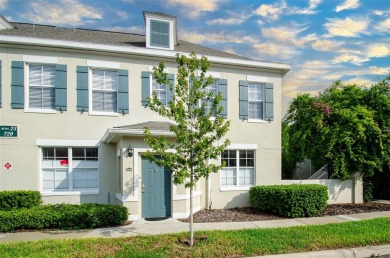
pixel 130 151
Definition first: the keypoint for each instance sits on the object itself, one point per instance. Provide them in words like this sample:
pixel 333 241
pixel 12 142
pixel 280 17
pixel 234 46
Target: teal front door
pixel 156 190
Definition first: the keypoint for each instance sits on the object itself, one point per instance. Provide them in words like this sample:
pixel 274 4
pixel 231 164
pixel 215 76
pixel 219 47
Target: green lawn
pixel 248 242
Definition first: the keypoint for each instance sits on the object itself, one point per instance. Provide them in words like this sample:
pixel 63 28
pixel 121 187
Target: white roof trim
pixel 4 23
pixel 279 67
pixel 111 133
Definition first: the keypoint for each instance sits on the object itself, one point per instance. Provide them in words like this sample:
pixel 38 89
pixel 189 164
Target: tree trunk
pixel 191 211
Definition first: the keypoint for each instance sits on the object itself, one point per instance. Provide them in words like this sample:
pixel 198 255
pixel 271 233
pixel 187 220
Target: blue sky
pixel 324 40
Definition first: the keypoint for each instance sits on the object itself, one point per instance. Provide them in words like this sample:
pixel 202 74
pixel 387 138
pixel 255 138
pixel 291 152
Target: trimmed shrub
pixel 18 199
pixel 290 200
pixel 63 216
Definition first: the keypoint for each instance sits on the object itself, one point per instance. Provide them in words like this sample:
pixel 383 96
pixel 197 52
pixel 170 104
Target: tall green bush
pixel 290 200
pixel 18 199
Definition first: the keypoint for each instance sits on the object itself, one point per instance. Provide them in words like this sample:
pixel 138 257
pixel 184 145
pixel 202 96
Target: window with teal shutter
pixel 243 112
pixel 123 91
pixel 269 102
pixel 60 87
pixel 104 90
pixel 17 85
pixel 171 91
pixel 82 88
pixel 222 88
pixel 0 84
pixel 145 77
pixel 159 34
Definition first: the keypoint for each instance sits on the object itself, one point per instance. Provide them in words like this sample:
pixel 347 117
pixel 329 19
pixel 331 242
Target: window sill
pixel 261 121
pixel 69 193
pixel 38 110
pixel 92 113
pixel 234 188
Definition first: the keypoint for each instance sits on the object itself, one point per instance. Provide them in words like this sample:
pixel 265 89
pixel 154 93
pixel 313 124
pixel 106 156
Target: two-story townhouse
pixel 73 112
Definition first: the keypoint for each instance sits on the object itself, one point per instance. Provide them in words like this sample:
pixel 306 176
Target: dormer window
pixel 159 33
pixel 160 30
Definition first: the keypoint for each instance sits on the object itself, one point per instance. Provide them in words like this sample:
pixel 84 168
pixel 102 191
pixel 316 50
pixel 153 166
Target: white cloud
pixel 347 58
pixel 121 14
pixel 384 26
pixel 325 45
pixel 347 27
pixel 194 9
pixel 309 10
pixel 271 11
pixel 3 4
pixel 348 4
pixel 378 50
pixel 69 12
pixel 228 21
pixel 315 63
pixel 359 81
pixel 288 35
pixel 221 37
pixel 275 50
pixel 379 70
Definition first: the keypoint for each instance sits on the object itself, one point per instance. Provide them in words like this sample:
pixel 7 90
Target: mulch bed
pixel 250 214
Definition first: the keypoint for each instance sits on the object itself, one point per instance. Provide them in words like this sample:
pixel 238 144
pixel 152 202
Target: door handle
pixel 143 188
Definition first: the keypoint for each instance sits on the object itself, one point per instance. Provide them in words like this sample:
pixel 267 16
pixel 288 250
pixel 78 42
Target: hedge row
pixel 63 216
pixel 290 200
pixel 10 200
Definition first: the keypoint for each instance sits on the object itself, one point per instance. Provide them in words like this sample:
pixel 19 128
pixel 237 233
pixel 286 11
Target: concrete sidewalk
pixel 166 226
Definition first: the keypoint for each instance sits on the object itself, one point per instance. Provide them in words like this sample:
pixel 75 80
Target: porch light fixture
pixel 130 151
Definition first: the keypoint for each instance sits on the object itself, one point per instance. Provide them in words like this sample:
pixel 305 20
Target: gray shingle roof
pixel 152 125
pixel 104 37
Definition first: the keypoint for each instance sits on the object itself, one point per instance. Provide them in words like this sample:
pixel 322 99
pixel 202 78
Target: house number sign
pixel 9 131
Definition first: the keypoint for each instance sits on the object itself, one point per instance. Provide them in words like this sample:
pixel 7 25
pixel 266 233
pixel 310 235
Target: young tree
pixel 345 128
pixel 198 125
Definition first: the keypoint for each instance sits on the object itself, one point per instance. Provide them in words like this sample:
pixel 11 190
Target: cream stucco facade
pixel 119 174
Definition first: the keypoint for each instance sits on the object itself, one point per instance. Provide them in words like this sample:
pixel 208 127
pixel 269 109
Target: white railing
pixel 322 173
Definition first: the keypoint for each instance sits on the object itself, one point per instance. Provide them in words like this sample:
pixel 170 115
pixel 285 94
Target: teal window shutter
pixel 243 100
pixel 60 87
pixel 0 84
pixel 17 85
pixel 145 87
pixel 123 91
pixel 170 92
pixel 82 88
pixel 269 102
pixel 222 88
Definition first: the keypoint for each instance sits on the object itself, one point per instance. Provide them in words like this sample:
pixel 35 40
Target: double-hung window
pixel 104 91
pixel 41 83
pixel 212 88
pixel 160 90
pixel 256 100
pixel 159 34
pixel 238 169
pixel 70 169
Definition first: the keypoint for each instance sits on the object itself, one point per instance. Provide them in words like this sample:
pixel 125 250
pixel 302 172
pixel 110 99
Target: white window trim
pixel 151 84
pixel 66 143
pixel 215 75
pixel 69 193
pixel 82 143
pixel 40 59
pixel 171 31
pixel 238 147
pixel 255 120
pixel 103 64
pixel 254 78
pixel 90 100
pixel 27 108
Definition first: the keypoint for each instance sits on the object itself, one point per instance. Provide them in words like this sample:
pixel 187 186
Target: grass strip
pixel 247 242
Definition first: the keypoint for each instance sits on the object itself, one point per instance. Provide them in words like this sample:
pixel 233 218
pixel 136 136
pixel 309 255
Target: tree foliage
pixel 345 127
pixel 197 129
